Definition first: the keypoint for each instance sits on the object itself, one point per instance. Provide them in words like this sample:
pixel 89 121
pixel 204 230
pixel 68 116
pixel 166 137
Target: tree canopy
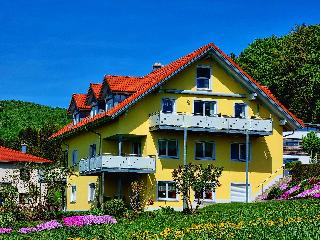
pixel 290 67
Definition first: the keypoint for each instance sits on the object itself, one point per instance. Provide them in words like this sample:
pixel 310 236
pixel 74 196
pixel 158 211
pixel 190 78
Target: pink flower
pixel 79 221
pixel 5 230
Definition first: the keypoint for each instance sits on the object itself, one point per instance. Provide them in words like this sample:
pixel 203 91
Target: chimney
pixel 24 148
pixel 156 66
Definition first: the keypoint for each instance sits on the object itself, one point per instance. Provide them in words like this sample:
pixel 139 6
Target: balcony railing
pixel 110 163
pixel 210 123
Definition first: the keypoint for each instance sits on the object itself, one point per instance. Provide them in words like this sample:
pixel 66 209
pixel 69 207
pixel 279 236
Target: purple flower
pixel 79 221
pixel 287 193
pixel 309 192
pixel 27 230
pixel 5 230
pixel 283 186
pixel 48 225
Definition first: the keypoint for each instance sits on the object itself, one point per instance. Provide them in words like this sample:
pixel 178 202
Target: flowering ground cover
pixel 294 219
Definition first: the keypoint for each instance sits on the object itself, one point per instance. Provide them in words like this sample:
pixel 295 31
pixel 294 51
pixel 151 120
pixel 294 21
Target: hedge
pixel 305 171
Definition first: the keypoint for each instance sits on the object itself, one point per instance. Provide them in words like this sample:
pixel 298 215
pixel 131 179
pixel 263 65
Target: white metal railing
pixel 210 122
pixel 110 163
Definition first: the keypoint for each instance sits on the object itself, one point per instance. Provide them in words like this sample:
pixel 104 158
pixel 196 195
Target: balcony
pixel 110 163
pixel 175 121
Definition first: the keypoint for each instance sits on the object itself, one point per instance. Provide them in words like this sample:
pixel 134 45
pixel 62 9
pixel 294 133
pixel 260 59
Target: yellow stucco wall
pixel 266 151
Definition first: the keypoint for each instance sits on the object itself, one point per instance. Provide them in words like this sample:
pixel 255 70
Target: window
pixel 92 150
pixel 207 195
pixel 168 148
pixel 240 110
pixel 73 196
pixel 205 150
pixel 76 118
pixel 168 105
pixel 291 142
pixel 136 149
pixel 114 100
pixel 74 157
pixel 24 174
pixel 167 191
pixel 94 110
pixel 91 192
pixel 205 108
pixel 203 77
pixel 238 152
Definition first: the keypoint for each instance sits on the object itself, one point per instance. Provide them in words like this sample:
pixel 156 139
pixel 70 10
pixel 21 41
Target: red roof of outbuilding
pixel 10 155
pixel 143 85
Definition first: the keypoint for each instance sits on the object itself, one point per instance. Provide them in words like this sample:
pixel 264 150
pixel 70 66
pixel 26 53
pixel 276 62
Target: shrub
pixel 274 193
pixel 305 171
pixel 115 207
pixel 7 219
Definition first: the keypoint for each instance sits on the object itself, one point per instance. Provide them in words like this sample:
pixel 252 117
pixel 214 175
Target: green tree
pixel 197 178
pixel 290 67
pixel 311 144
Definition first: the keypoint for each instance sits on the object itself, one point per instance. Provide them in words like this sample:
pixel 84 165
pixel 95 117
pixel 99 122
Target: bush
pixel 7 219
pixel 274 193
pixel 115 207
pixel 305 171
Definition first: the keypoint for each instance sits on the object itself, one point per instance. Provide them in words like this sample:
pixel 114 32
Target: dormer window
pixel 76 118
pixel 203 77
pixel 114 100
pixel 94 110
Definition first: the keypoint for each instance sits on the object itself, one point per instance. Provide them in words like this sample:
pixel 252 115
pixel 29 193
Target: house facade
pixel 14 172
pixel 201 109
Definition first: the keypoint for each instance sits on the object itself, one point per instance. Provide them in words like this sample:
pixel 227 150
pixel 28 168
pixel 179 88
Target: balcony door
pixel 205 108
pixel 136 149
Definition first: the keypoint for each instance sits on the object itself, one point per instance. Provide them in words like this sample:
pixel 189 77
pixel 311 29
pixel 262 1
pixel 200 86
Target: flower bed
pixel 74 221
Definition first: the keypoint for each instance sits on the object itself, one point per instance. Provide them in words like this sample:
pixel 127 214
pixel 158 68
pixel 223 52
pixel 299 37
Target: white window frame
pixel 167 148
pixel 203 149
pixel 239 150
pixel 210 79
pixel 246 109
pixel 139 148
pixel 73 194
pixel 203 196
pixel 174 104
pixel 76 117
pixel 203 101
pixel 167 192
pixel 91 196
pixel 94 109
pixel 74 157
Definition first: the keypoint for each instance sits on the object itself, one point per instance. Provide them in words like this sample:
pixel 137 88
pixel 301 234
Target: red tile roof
pixel 80 101
pixel 124 83
pixel 143 85
pixel 96 89
pixel 10 155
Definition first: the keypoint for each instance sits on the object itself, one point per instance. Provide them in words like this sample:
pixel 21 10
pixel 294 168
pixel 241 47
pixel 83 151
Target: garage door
pixel 238 192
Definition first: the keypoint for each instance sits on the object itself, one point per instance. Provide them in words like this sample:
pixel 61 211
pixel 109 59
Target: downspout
pixel 100 140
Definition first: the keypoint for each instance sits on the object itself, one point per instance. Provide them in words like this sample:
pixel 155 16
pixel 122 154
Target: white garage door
pixel 238 192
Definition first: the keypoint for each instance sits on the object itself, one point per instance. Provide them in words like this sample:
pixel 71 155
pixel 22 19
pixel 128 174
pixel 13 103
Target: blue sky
pixel 51 49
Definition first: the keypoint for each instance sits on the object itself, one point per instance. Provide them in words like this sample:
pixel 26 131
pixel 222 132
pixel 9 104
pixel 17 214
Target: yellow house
pixel 201 108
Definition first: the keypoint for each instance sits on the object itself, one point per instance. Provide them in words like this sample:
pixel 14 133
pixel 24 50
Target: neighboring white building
pixel 292 144
pixel 12 171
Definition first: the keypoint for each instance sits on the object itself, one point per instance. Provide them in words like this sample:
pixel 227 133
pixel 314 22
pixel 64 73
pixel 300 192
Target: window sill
pixel 205 201
pixel 168 158
pixel 240 161
pixel 167 200
pixel 204 89
pixel 73 202
pixel 205 159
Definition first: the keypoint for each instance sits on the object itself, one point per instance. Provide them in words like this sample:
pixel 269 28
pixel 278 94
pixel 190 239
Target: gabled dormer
pixel 94 100
pixel 78 107
pixel 115 89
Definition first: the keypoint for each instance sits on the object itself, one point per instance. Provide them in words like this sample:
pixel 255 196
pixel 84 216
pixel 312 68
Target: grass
pixel 298 219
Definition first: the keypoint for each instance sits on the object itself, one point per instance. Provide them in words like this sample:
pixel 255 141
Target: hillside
pixel 18 115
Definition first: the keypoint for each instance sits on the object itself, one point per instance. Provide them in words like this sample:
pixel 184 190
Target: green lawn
pixel 299 219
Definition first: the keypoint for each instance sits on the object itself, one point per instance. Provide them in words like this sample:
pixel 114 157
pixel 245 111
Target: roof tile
pixel 10 155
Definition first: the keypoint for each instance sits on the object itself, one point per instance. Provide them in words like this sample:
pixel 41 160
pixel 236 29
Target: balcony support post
pixel 247 167
pixel 119 187
pixel 102 190
pixel 120 147
pixel 185 136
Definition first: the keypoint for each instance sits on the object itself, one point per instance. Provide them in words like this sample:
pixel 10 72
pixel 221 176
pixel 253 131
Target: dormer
pixel 94 100
pixel 115 89
pixel 78 107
